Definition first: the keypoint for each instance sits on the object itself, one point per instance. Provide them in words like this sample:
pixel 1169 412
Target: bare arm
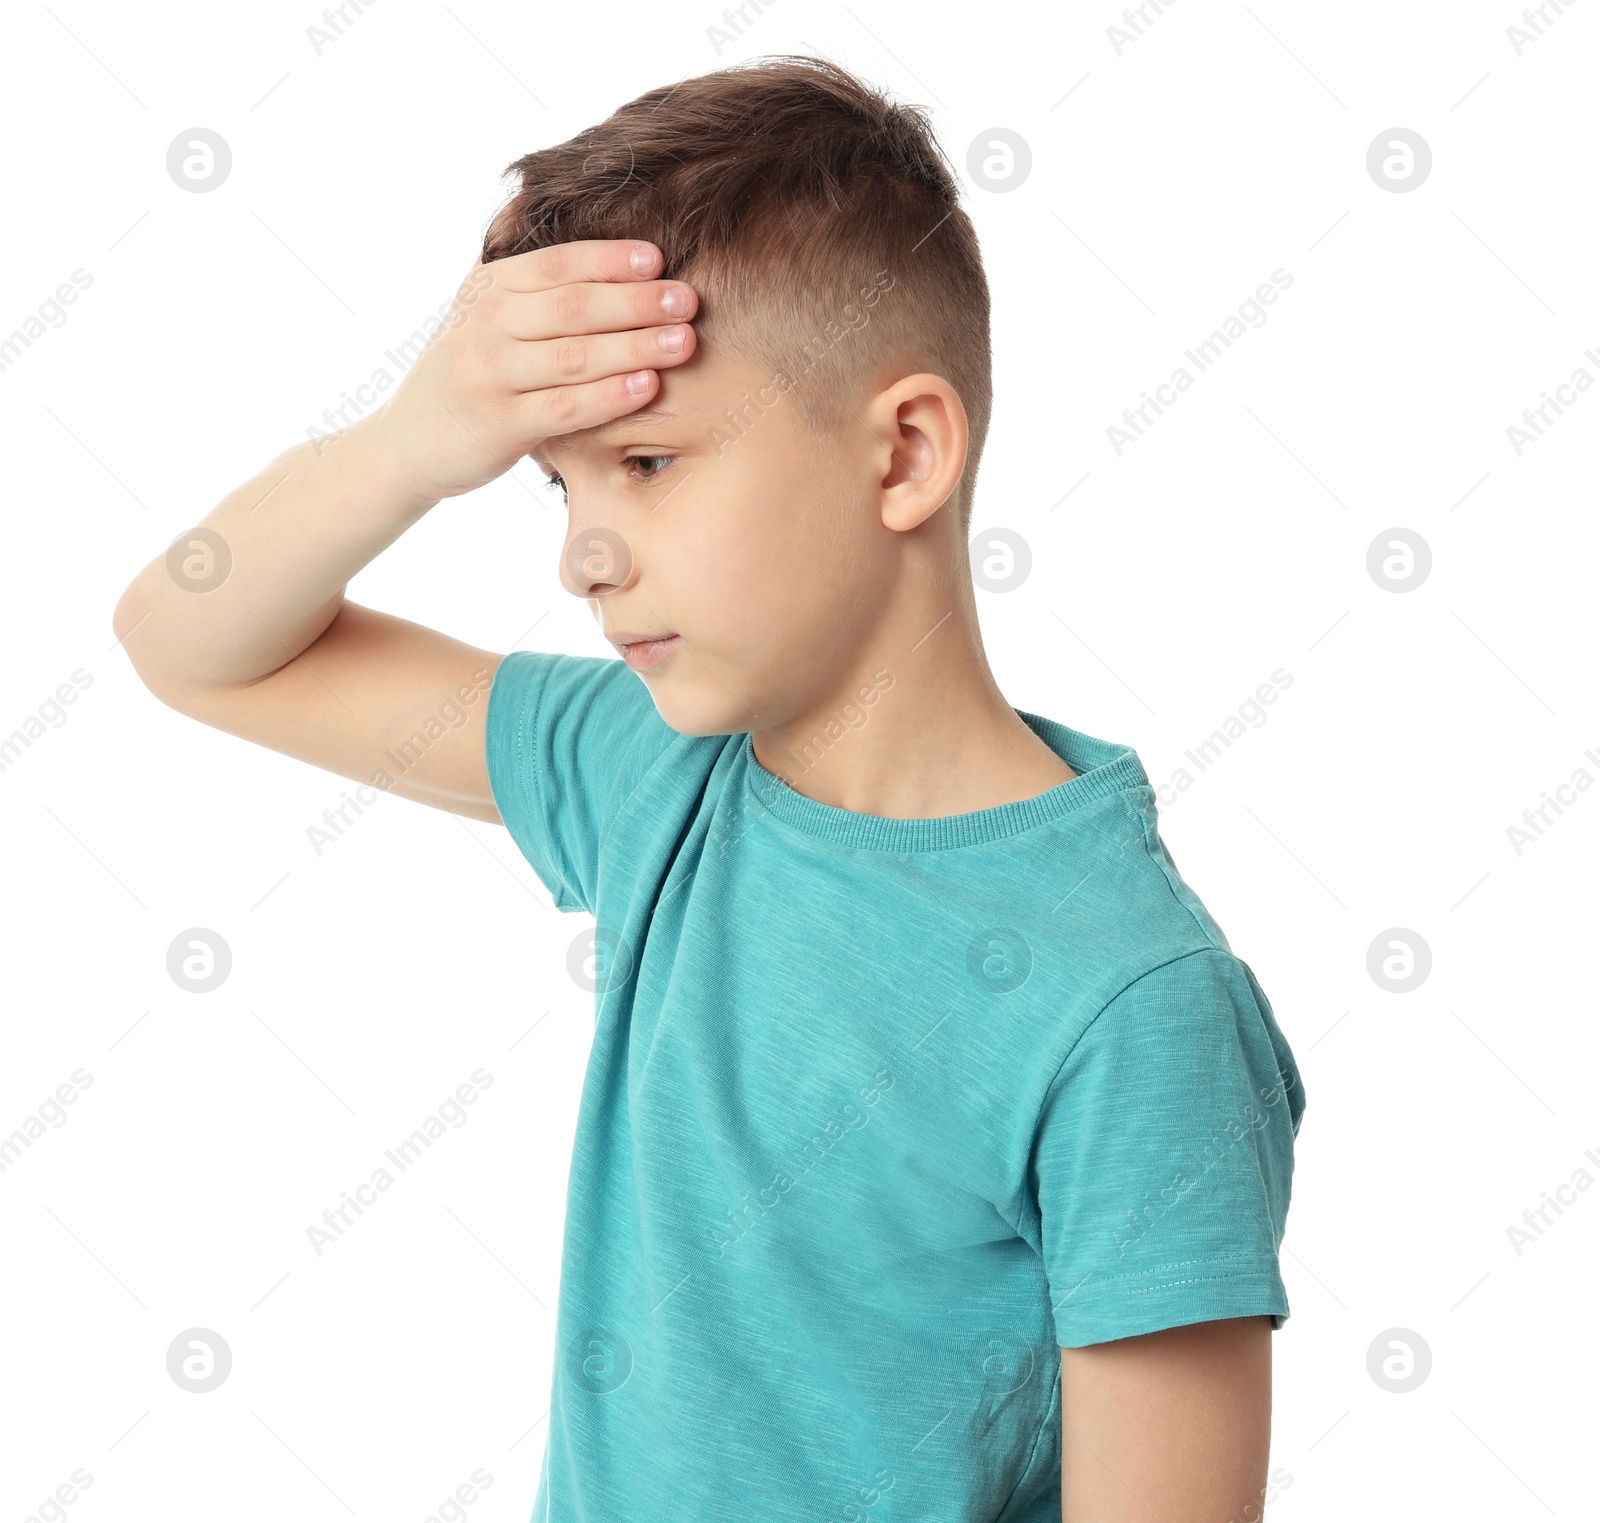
pixel 276 654
pixel 244 623
pixel 1173 1426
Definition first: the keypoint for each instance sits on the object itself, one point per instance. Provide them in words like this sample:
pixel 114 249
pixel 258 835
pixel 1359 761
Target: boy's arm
pixel 275 653
pixel 1174 1425
pixel 271 651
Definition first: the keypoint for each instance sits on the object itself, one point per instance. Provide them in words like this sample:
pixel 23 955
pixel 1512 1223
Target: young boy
pixel 935 1148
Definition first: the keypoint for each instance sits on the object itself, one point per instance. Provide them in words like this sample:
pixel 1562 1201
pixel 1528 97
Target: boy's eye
pixel 661 463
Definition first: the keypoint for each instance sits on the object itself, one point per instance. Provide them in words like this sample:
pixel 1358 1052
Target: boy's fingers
pixel 567 409
pixel 596 307
pixel 567 362
pixel 589 259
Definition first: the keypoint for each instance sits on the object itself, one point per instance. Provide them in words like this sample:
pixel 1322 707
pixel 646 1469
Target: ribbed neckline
pixel 1102 768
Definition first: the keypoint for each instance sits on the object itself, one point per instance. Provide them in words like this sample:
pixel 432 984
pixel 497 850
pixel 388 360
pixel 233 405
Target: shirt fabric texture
pixel 879 1115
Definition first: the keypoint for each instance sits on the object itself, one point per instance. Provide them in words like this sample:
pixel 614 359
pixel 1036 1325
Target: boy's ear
pixel 923 427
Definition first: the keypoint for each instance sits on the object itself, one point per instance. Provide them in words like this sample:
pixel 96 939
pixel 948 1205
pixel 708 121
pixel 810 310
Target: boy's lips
pixel 631 636
pixel 642 651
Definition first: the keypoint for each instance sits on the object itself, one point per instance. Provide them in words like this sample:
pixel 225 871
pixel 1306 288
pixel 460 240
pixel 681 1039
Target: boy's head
pixel 783 517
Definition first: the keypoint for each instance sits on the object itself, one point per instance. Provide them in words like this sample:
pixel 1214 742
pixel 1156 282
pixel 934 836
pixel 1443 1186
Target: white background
pixel 1169 581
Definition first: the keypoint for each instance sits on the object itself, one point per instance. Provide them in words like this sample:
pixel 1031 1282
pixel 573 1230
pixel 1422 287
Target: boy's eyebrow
pixel 558 444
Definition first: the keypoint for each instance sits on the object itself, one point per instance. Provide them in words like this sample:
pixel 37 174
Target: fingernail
pixel 675 303
pixel 639 382
pixel 644 258
pixel 672 340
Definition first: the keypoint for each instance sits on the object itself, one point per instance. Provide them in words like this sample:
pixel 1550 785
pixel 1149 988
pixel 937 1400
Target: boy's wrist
pixel 366 448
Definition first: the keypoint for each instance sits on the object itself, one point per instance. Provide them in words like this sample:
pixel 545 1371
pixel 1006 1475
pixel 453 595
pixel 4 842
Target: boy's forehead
pixel 698 392
pixel 629 423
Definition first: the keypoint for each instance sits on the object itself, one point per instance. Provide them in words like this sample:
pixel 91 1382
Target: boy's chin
pixel 696 713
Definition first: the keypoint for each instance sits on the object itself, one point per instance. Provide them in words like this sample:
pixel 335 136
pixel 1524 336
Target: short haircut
pixel 786 192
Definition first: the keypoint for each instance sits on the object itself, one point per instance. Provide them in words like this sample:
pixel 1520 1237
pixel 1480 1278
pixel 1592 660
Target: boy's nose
pixel 596 563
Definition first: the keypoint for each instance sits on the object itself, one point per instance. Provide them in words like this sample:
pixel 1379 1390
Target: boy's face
pixel 759 547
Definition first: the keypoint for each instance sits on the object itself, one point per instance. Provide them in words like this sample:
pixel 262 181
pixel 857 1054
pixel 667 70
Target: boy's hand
pixel 542 343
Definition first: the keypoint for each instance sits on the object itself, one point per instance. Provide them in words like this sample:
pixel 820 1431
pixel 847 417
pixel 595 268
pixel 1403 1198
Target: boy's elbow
pixel 127 615
pixel 131 611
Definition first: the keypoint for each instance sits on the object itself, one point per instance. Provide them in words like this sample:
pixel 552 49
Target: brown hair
pixel 818 221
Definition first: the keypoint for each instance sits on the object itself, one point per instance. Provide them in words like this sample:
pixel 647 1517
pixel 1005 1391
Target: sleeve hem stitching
pixel 1260 1265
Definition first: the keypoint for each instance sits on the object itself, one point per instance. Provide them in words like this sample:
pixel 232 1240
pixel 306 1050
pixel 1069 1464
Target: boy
pixel 934 1149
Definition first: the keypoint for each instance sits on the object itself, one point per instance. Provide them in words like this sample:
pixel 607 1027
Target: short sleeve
pixel 567 740
pixel 1163 1155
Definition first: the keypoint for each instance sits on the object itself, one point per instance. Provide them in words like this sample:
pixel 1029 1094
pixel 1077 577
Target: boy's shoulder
pixel 578 742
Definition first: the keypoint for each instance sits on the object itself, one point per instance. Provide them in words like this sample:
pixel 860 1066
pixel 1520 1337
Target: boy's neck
pixel 938 739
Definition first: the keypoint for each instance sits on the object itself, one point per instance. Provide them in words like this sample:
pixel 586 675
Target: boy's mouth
pixel 643 651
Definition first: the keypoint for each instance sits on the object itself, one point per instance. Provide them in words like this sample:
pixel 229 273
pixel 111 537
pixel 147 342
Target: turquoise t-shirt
pixel 879 1115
